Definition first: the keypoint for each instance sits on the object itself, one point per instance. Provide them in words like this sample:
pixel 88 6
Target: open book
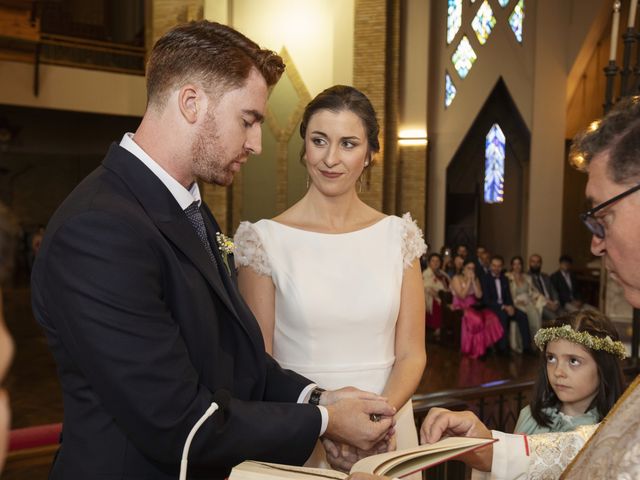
pixel 394 464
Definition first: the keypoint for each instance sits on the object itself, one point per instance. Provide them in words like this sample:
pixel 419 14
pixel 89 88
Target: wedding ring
pixel 375 417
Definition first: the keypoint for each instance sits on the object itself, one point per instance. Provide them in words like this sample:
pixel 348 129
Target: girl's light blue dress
pixel 559 421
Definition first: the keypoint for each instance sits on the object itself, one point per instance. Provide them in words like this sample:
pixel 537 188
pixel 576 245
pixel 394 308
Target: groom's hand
pixel 332 396
pixel 350 421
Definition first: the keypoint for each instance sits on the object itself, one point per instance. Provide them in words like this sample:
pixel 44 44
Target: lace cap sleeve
pixel 249 251
pixel 413 245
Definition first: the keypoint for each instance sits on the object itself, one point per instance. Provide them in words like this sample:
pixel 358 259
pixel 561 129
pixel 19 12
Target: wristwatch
pixel 314 399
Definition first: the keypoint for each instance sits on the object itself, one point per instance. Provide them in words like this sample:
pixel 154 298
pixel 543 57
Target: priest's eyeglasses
pixel 595 226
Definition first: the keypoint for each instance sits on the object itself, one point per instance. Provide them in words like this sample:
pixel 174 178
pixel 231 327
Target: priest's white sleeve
pixel 527 457
pixel 510 458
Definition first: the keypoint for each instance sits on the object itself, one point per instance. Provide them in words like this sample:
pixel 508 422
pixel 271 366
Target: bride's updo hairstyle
pixel 339 98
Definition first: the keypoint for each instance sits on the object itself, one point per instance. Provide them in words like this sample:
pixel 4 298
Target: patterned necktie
pixel 195 217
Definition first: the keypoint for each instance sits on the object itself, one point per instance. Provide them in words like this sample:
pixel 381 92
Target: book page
pixel 251 470
pixel 411 460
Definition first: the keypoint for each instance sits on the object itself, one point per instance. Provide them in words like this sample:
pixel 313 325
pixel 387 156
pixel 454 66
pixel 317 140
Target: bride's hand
pixel 340 455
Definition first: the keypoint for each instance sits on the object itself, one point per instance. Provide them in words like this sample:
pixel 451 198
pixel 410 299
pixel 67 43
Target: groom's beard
pixel 534 270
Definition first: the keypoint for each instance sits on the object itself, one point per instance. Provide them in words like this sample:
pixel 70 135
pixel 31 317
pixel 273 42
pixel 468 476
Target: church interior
pixel 478 101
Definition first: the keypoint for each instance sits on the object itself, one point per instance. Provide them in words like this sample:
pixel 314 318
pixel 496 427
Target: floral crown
pixel 606 344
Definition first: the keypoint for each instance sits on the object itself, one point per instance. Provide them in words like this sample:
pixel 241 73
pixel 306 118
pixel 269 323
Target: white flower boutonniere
pixel 226 247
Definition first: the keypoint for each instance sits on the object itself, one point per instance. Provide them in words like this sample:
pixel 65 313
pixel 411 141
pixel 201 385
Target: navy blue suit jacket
pixel 145 330
pixel 490 293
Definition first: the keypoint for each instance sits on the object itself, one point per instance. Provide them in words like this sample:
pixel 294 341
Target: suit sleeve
pixel 103 289
pixel 506 293
pixel 283 385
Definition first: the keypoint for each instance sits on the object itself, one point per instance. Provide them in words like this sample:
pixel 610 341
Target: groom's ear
pixel 191 102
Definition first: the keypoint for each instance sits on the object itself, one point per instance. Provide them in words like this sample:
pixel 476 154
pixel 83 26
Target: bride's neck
pixel 337 212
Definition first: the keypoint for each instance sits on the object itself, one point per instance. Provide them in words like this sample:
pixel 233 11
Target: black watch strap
pixel 314 399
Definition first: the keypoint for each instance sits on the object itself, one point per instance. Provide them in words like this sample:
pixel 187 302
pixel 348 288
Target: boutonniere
pixel 226 247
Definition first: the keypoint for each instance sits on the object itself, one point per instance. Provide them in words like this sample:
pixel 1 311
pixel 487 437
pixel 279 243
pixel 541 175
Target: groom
pixel 138 298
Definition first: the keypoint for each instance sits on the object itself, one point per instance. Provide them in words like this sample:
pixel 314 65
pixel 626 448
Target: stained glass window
pixel 454 19
pixel 483 22
pixel 494 165
pixel 449 90
pixel 463 57
pixel 503 3
pixel 516 19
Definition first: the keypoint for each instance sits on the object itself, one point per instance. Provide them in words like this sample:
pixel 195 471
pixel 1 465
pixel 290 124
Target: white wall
pixel 317 33
pixel 535 73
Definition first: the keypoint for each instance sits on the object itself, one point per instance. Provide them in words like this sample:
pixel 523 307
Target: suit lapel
pixel 229 278
pixel 183 236
pixel 164 211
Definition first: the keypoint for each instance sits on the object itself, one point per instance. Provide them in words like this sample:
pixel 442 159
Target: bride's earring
pixel 307 181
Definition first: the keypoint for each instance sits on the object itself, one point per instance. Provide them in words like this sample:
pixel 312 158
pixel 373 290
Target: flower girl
pixel 580 375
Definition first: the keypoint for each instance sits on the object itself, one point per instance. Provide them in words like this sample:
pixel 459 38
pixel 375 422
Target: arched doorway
pixel 470 220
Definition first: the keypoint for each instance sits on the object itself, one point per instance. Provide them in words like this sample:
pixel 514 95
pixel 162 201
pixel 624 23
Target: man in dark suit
pixel 138 298
pixel 497 297
pixel 543 283
pixel 564 281
pixel 483 258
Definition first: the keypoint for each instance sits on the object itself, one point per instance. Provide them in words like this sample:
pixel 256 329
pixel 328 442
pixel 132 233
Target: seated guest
pixel 462 250
pixel 480 326
pixel 435 281
pixel 456 266
pixel 542 282
pixel 482 261
pixel 497 296
pixel 564 281
pixel 526 298
pixel 447 260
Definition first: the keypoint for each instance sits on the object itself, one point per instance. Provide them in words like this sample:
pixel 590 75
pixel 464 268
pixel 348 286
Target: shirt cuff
pixel 306 393
pixel 325 419
pixel 510 456
pixel 324 413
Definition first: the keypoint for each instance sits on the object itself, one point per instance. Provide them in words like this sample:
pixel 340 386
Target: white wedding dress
pixel 337 302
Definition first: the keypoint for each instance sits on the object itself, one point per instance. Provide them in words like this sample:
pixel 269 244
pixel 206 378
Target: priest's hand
pixel 445 423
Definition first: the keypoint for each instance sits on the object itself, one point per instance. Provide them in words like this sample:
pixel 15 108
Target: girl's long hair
pixel 610 377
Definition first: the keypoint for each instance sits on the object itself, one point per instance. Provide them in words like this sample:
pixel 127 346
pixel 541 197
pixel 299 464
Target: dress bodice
pixel 559 421
pixel 337 295
pixel 465 302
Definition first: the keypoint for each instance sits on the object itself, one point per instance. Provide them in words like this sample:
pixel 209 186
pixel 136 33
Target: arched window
pixel 494 154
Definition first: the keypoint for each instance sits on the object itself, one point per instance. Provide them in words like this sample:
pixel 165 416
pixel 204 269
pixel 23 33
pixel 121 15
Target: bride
pixel 335 284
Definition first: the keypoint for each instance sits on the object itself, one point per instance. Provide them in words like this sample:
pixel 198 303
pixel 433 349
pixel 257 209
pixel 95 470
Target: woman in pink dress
pixel 481 327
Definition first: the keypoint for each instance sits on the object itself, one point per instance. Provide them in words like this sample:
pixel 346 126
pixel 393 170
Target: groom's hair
pixel 208 53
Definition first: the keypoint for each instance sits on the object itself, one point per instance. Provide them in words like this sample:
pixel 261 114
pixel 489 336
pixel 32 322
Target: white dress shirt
pixel 498 289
